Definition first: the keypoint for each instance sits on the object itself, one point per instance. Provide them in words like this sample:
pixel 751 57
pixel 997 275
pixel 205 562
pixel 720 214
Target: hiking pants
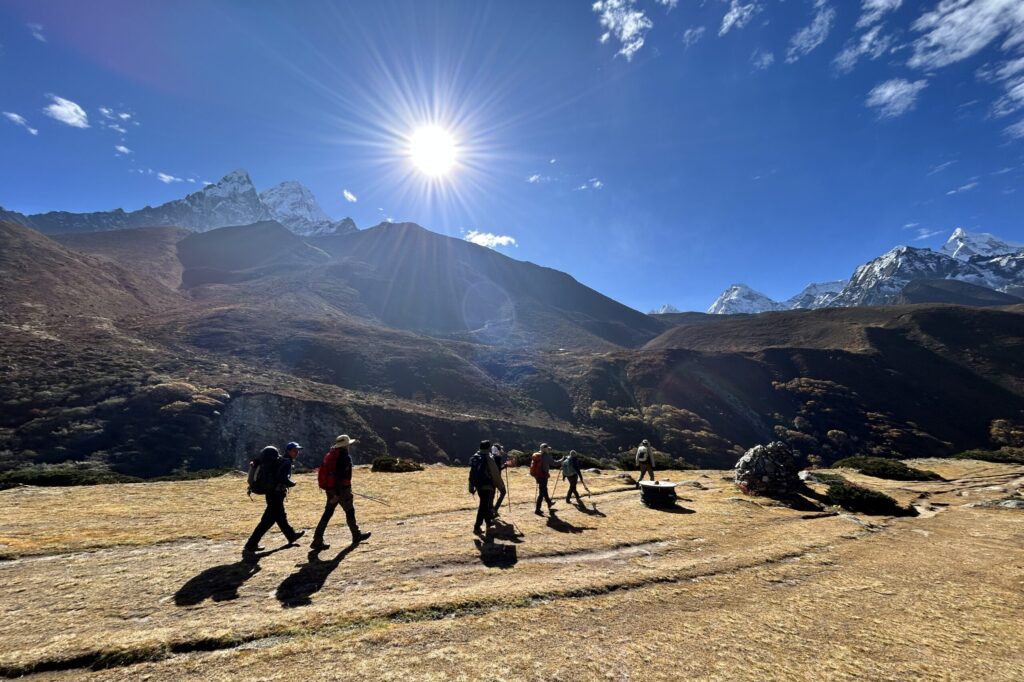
pixel 485 512
pixel 542 492
pixel 345 499
pixel 501 498
pixel 274 513
pixel 646 468
pixel 573 480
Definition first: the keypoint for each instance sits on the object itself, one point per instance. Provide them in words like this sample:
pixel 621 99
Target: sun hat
pixel 344 441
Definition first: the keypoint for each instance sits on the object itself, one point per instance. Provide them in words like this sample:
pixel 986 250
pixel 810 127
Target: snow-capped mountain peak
pixel 816 295
pixel 293 205
pixel 963 244
pixel 666 309
pixel 739 298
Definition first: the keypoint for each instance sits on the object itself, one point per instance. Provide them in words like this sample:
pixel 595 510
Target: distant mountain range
pixel 970 269
pixel 231 201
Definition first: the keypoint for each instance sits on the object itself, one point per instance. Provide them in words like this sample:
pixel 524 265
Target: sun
pixel 433 150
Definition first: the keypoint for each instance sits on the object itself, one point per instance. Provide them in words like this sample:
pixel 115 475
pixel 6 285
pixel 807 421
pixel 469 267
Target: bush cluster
pixel 891 469
pixel 61 475
pixel 1002 455
pixel 395 465
pixel 857 498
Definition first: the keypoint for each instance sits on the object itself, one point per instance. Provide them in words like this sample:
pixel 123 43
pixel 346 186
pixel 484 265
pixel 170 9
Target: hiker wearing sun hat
pixel 645 460
pixel 335 479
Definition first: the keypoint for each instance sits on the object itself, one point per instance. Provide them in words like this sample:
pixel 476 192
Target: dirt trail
pixel 172 598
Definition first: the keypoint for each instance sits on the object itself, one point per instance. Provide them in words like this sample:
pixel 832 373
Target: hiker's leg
pixel 572 488
pixel 281 517
pixel 266 521
pixel 547 495
pixel 487 499
pixel 481 510
pixel 541 484
pixel 325 518
pixel 501 498
pixel 347 501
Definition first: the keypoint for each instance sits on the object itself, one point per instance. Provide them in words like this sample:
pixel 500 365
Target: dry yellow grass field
pixel 146 581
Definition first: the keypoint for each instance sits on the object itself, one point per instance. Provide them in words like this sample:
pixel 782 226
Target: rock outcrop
pixel 768 470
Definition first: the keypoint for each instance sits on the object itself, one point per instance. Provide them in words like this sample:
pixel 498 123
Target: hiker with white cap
pixel 270 475
pixel 645 460
pixel 335 479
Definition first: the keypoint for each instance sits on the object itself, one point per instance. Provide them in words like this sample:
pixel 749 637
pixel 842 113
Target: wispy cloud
pixel 964 188
pixel 349 197
pixel 623 21
pixel 121 149
pixel 910 226
pixel 1016 130
pixel 692 36
pixel 762 60
pixel 109 118
pixel 895 97
pixel 814 34
pixel 553 160
pixel 738 15
pixel 534 179
pixel 872 11
pixel 490 240
pixel 19 120
pixel 669 4
pixel 37 32
pixel 958 29
pixel 592 183
pixel 871 44
pixel 938 168
pixel 67 112
pixel 925 233
pixel 167 179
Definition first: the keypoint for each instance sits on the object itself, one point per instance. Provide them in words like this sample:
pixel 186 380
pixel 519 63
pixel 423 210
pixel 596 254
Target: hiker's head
pixel 572 453
pixel 292 449
pixel 485 445
pixel 270 451
pixel 644 442
pixel 544 447
pixel 343 441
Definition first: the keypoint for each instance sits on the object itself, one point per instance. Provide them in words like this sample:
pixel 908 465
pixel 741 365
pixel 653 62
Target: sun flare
pixel 433 150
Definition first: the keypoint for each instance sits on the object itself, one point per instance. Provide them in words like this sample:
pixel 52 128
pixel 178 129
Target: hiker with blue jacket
pixel 484 479
pixel 272 479
pixel 572 473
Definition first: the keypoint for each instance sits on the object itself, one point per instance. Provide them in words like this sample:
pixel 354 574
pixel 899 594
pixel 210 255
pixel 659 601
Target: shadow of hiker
pixel 561 526
pixel 590 512
pixel 495 555
pixel 673 509
pixel 218 583
pixel 504 531
pixel 298 588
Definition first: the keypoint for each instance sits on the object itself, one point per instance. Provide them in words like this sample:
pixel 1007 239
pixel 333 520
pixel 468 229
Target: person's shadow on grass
pixel 555 523
pixel 219 583
pixel 298 588
pixel 496 555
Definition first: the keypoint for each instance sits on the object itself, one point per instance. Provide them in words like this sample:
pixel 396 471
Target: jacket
pixel 546 462
pixel 570 466
pixel 283 479
pixel 494 473
pixel 649 461
pixel 343 471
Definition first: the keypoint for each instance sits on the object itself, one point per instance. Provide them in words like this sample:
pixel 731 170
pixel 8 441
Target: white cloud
pixel 872 11
pixel 762 60
pixel 895 97
pixel 553 161
pixel 19 120
pixel 738 16
pixel 872 44
pixel 910 226
pixel 938 168
pixel 113 119
pixel 168 179
pixel 66 111
pixel 349 197
pixel 692 36
pixel 118 129
pixel 121 149
pixel 534 179
pixel 957 29
pixel 814 34
pixel 925 233
pixel 668 4
pixel 624 22
pixel 37 32
pixel 490 240
pixel 123 116
pixel 1016 130
pixel 592 183
pixel 964 188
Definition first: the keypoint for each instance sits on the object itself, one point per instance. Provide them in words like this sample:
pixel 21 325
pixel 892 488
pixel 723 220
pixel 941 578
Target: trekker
pixel 645 460
pixel 335 479
pixel 572 473
pixel 500 459
pixel 540 468
pixel 278 479
pixel 484 479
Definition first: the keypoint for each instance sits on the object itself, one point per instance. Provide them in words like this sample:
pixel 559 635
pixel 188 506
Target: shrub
pixel 394 465
pixel 1002 455
pixel 61 476
pixel 892 469
pixel 627 462
pixel 856 498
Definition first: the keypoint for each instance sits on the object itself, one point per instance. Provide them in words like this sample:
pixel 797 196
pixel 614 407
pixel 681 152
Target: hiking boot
pixel 361 537
pixel 295 538
pixel 496 513
pixel 477 530
pixel 319 545
pixel 252 550
pixel 539 513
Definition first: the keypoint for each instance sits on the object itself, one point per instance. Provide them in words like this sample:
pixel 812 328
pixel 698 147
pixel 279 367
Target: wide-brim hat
pixel 344 441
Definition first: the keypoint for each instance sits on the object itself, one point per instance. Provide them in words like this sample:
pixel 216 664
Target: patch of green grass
pixel 627 462
pixel 61 476
pixel 1002 455
pixel 200 474
pixel 891 469
pixel 395 465
pixel 857 498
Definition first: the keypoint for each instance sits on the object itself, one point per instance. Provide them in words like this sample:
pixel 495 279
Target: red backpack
pixel 327 474
pixel 537 465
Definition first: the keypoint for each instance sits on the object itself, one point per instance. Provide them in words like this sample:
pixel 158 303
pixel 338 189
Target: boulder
pixel 768 470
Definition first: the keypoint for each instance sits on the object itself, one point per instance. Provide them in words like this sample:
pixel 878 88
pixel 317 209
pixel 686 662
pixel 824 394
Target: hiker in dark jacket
pixel 572 473
pixel 484 479
pixel 340 494
pixel 501 459
pixel 275 513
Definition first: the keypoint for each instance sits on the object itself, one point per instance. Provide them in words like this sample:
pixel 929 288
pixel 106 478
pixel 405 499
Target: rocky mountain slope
pixel 231 201
pixel 978 259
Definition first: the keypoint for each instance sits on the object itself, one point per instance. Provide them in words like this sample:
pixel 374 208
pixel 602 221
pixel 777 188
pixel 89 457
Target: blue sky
pixel 656 150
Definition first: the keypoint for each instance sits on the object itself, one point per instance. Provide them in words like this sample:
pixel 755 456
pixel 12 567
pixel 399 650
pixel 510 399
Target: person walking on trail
pixel 335 479
pixel 572 473
pixel 645 460
pixel 501 459
pixel 540 468
pixel 484 479
pixel 274 478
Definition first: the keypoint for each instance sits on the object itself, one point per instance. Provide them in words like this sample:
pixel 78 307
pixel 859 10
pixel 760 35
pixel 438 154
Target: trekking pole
pixel 557 481
pixel 508 490
pixel 372 499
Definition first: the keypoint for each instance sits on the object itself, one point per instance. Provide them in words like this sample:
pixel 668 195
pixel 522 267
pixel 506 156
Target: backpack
pixel 327 474
pixel 479 476
pixel 642 453
pixel 263 472
pixel 537 465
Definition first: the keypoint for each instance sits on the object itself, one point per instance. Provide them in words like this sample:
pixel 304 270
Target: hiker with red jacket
pixel 540 468
pixel 484 479
pixel 273 482
pixel 335 479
